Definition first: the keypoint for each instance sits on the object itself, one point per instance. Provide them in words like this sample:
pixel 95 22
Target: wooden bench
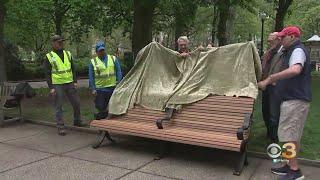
pixel 217 122
pixel 6 89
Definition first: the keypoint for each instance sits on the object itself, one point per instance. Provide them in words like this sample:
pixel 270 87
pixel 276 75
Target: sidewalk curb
pixel 74 128
pixel 308 162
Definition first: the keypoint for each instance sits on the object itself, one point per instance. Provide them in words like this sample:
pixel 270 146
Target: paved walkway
pixel 32 152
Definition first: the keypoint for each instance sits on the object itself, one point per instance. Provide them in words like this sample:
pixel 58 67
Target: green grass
pixel 41 108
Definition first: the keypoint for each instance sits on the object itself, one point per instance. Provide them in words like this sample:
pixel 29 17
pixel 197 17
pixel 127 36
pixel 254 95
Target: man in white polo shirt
pixel 295 91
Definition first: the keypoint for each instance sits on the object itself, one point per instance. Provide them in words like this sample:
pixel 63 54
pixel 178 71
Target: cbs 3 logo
pixel 287 151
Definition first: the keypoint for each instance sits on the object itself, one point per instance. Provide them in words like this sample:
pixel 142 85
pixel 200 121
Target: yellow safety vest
pixel 61 72
pixel 104 76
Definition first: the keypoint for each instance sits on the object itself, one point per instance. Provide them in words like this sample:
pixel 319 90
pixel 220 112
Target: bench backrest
pixel 215 113
pixel 139 113
pixel 6 90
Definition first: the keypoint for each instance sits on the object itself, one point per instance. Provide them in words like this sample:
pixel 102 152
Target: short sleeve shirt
pixel 298 56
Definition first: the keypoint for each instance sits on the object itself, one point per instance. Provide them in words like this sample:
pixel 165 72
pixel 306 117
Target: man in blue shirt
pixel 104 74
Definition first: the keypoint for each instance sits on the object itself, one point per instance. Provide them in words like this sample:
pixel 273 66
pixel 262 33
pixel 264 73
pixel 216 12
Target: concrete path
pixel 34 152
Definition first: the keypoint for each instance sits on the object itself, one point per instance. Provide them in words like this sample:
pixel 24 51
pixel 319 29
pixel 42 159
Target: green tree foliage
pixel 27 25
pixel 305 14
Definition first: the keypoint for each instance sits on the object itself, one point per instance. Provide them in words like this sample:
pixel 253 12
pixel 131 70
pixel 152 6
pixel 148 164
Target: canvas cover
pixel 161 78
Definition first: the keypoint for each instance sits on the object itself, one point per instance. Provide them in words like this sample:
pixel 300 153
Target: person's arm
pixel 92 85
pixel 47 71
pixel 292 71
pixel 118 70
pixel 296 64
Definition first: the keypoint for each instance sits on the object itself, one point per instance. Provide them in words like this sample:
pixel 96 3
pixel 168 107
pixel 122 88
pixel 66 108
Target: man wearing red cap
pixel 294 82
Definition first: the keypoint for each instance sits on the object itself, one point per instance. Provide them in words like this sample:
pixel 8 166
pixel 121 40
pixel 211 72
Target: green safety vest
pixel 104 76
pixel 61 72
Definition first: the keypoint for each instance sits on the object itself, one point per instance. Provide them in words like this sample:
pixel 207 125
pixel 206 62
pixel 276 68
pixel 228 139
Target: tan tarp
pixel 160 78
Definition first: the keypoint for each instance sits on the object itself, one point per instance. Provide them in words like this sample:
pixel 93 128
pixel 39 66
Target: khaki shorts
pixel 293 115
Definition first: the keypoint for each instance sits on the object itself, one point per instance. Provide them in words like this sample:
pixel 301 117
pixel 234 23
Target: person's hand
pixel 52 92
pixel 184 55
pixel 94 93
pixel 76 85
pixel 262 85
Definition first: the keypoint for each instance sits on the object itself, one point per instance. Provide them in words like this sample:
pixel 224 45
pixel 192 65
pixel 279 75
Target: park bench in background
pixel 220 122
pixel 6 90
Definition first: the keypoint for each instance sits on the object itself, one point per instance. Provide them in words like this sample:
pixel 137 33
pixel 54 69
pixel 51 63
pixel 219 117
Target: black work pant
pixel 271 111
pixel 101 103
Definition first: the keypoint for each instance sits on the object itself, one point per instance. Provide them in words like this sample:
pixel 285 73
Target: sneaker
pixel 281 170
pixel 61 132
pixel 292 175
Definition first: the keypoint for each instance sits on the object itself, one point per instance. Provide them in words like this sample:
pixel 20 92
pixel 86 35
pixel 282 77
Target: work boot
pixel 61 132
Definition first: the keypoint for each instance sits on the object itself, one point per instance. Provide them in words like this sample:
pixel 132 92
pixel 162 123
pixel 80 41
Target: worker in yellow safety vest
pixel 104 74
pixel 61 78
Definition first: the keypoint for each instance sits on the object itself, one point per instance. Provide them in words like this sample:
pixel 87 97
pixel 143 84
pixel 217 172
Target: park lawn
pixel 40 108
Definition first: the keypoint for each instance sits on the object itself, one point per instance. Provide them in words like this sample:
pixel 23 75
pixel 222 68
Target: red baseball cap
pixel 290 30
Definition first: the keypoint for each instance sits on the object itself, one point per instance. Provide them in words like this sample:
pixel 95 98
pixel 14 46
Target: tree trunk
pixel 223 6
pixel 3 74
pixel 282 9
pixel 142 24
pixel 61 7
pixel 179 28
pixel 214 24
pixel 58 22
pixel 230 25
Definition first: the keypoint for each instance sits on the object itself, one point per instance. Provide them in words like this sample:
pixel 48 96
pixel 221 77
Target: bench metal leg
pixel 164 150
pixel 240 163
pixel 103 135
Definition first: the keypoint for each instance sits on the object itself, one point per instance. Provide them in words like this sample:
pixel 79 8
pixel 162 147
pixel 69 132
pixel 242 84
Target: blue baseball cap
pixel 100 46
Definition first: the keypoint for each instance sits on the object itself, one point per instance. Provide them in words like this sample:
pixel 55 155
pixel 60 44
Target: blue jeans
pixel 71 93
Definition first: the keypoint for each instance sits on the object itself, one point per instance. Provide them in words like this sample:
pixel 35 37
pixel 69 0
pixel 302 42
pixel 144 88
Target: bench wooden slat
pixel 152 136
pixel 206 127
pixel 182 134
pixel 219 107
pixel 209 116
pixel 202 118
pixel 192 119
pixel 217 111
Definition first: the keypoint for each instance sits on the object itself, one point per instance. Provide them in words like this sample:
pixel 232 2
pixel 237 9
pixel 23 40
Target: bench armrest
pixel 169 113
pixel 246 126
